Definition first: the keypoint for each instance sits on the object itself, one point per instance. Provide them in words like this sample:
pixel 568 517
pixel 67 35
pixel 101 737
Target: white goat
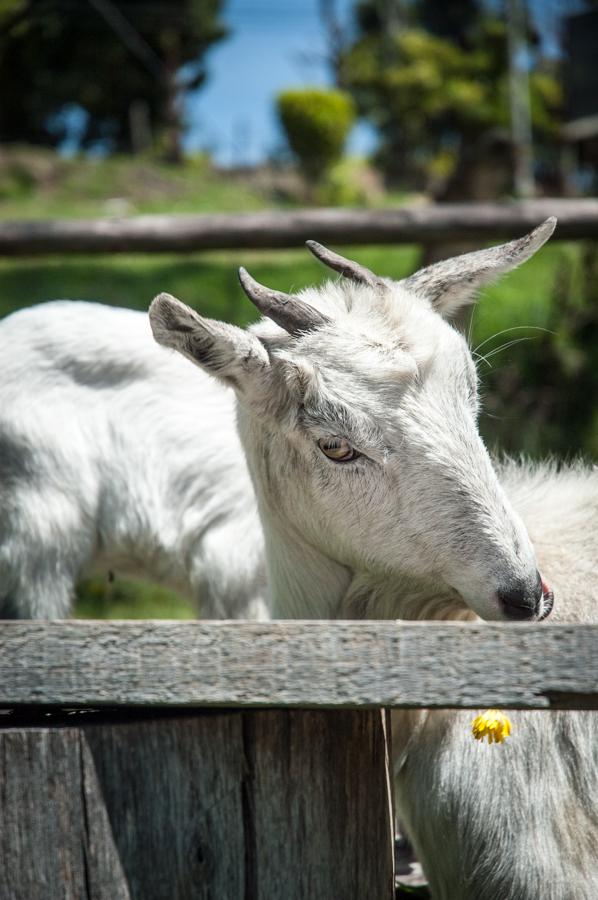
pixel 357 411
pixel 110 458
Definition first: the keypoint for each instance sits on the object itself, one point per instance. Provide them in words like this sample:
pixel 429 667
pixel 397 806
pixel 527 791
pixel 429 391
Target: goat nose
pixel 520 602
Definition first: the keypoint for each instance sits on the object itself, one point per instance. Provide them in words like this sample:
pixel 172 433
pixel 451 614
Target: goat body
pixel 111 459
pixel 357 413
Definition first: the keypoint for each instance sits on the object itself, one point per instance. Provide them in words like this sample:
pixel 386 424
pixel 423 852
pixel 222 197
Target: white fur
pixel 420 526
pixel 112 459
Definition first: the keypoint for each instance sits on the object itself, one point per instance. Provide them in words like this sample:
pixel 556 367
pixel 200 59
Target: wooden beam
pixel 298 664
pixel 481 222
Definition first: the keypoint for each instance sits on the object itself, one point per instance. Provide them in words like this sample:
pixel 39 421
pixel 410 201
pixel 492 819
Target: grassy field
pixel 38 184
pixel 528 304
pixel 208 281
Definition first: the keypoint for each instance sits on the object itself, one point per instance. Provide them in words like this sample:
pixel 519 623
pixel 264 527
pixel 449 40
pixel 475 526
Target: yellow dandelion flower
pixel 492 724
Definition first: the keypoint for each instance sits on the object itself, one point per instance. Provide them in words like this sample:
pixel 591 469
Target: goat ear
pixel 452 283
pixel 223 350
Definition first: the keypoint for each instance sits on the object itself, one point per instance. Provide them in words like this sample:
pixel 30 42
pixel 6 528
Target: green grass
pixel 527 295
pixel 207 281
pixel 38 184
pixel 99 598
pixel 35 184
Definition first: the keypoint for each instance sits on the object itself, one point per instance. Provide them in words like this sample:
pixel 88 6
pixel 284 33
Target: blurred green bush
pixel 316 122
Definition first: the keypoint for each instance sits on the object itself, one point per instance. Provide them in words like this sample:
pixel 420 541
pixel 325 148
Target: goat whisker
pixel 515 328
pixel 506 346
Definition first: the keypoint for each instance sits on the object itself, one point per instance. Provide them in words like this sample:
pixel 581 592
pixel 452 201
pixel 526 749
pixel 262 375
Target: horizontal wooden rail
pixel 276 229
pixel 298 664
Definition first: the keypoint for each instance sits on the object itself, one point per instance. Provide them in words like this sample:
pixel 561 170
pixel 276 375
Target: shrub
pixel 316 122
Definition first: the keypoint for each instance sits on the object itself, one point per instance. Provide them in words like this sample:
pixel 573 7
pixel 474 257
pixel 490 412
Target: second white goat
pixel 112 460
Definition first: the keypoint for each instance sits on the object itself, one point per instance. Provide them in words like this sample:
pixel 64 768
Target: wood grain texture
pixel 319 780
pixel 55 838
pixel 299 664
pixel 171 789
pixel 211 806
pixel 291 228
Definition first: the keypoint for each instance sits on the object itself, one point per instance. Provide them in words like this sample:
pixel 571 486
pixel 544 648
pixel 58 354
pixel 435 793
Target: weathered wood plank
pixel 145 811
pixel 319 790
pixel 291 228
pixel 299 664
pixel 171 789
pixel 105 877
pixel 239 806
pixel 55 839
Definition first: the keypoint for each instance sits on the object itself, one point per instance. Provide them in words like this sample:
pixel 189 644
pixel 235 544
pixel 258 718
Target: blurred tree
pixel 452 20
pixel 433 77
pixel 118 61
pixel 317 122
pixel 537 397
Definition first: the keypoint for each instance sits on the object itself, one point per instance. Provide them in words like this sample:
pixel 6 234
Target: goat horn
pixel 288 311
pixel 345 267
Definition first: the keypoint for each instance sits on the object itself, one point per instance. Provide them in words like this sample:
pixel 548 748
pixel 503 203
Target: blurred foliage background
pixel 92 123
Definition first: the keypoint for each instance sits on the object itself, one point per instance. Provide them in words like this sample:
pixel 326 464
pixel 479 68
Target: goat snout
pixel 522 602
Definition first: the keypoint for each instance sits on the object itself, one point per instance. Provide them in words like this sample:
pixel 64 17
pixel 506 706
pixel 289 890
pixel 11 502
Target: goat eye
pixel 337 449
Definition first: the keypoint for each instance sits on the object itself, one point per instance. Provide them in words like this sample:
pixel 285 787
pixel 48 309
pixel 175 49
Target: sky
pixel 274 44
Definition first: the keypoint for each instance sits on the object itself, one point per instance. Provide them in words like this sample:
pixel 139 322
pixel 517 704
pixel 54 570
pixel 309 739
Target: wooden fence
pixel 236 761
pixel 421 224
